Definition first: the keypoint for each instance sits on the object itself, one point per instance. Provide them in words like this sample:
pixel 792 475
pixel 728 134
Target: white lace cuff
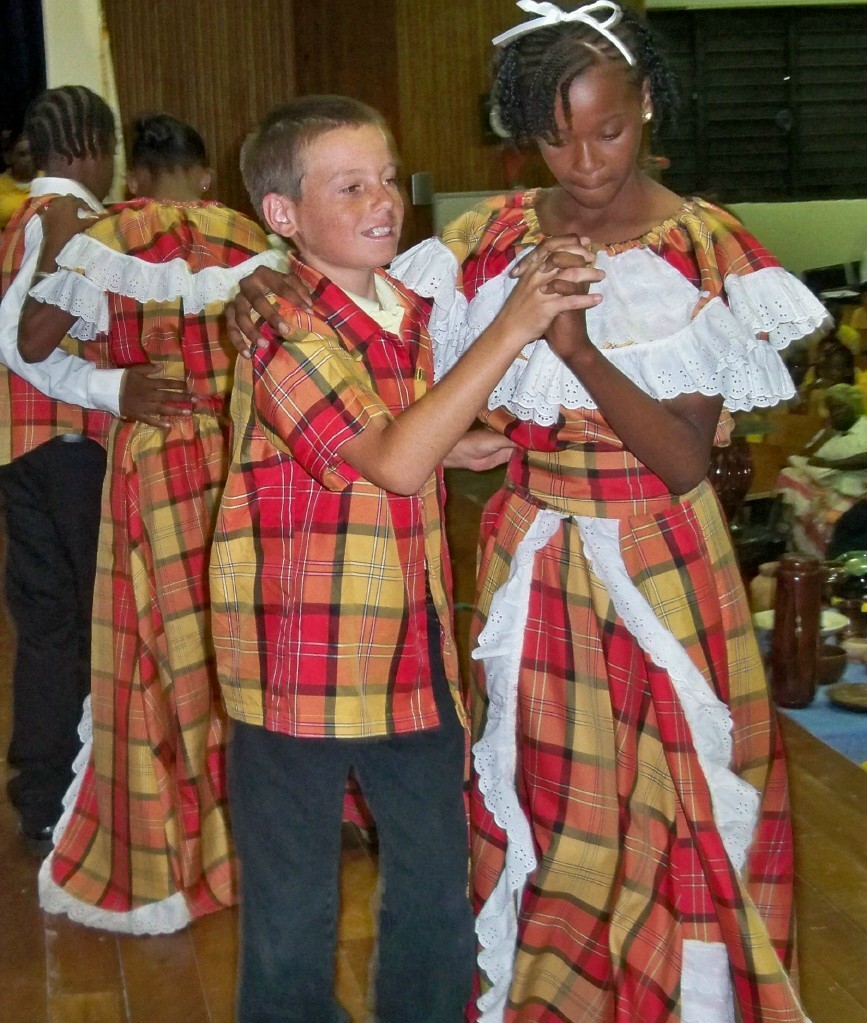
pixel 773 302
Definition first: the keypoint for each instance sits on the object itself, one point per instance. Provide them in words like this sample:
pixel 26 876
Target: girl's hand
pixel 149 398
pixel 255 297
pixel 63 218
pixel 552 279
pixel 567 336
pixel 479 450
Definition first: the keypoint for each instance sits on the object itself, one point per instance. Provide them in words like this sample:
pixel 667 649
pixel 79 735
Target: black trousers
pixel 51 499
pixel 286 799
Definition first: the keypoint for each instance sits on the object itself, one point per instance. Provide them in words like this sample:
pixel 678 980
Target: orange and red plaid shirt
pixel 319 577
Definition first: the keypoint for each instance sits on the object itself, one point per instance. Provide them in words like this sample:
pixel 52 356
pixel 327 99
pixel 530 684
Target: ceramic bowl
pixel 830 665
pixel 856 648
pixel 831 622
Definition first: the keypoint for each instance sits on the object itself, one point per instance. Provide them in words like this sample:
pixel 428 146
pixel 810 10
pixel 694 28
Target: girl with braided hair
pixel 54 416
pixel 631 843
pixel 631 838
pixel 143 845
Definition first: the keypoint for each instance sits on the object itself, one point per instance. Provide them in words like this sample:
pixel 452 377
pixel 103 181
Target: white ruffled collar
pixel 647 328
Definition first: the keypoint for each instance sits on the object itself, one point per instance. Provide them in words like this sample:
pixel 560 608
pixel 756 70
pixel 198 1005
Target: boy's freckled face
pixel 348 219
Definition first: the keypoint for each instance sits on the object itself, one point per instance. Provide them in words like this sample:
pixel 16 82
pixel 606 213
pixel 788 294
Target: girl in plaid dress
pixel 143 845
pixel 631 843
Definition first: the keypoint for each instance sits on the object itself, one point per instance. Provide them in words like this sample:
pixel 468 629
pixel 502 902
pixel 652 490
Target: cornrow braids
pixel 70 122
pixel 534 69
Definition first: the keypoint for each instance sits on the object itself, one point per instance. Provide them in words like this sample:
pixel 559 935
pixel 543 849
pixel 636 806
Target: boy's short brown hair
pixel 271 157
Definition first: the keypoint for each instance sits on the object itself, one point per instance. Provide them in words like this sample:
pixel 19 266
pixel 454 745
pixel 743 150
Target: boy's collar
pixel 354 323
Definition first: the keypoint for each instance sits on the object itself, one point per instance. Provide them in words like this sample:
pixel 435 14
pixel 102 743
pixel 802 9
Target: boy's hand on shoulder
pixel 148 398
pixel 479 450
pixel 255 305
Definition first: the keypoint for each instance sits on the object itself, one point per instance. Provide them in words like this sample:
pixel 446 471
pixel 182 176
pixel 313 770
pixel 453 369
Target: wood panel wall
pixel 444 51
pixel 423 63
pixel 219 66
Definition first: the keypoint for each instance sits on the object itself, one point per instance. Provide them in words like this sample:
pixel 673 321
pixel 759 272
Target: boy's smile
pixel 347 221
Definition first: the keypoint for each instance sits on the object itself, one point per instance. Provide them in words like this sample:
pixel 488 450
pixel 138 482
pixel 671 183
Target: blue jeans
pixel 286 801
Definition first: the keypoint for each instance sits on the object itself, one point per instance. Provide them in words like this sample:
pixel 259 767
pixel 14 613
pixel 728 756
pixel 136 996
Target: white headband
pixel 589 14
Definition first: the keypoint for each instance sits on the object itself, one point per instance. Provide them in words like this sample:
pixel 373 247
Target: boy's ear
pixel 279 212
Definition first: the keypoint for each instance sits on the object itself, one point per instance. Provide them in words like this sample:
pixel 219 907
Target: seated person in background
pixel 830 475
pixel 858 319
pixel 833 363
pixel 15 181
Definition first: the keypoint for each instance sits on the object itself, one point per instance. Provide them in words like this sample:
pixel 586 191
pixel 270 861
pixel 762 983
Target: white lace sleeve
pixel 90 270
pixel 646 326
pixel 773 302
pixel 431 270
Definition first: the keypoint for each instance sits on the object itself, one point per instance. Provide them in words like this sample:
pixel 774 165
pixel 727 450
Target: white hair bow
pixel 589 14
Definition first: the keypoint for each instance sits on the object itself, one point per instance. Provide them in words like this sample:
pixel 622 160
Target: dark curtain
pixel 22 59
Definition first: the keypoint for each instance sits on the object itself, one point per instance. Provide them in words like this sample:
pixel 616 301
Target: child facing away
pixel 54 418
pixel 144 843
pixel 330 579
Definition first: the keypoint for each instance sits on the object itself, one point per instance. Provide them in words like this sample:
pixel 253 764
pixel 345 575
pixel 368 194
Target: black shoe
pixel 39 841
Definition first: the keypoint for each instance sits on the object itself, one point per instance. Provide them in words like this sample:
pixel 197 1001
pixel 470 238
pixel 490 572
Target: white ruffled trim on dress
pixel 645 327
pixel 90 271
pixel 495 756
pixel 706 994
pixel 163 917
pixel 735 802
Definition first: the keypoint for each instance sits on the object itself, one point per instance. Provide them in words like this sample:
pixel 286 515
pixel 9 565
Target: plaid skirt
pixel 631 840
pixel 144 845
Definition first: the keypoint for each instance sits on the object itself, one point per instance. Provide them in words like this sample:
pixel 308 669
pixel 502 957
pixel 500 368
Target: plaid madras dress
pixel 631 844
pixel 144 844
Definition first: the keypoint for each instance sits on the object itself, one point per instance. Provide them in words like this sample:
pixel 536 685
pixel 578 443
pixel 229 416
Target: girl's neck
pixel 176 186
pixel 640 206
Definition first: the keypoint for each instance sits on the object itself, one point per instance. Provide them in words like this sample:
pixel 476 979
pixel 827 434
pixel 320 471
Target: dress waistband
pixel 608 484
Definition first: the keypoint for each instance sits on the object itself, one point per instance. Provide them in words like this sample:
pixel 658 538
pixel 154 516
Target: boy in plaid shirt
pixel 330 577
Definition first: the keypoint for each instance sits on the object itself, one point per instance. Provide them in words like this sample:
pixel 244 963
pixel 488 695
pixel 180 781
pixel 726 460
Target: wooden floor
pixel 53 971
